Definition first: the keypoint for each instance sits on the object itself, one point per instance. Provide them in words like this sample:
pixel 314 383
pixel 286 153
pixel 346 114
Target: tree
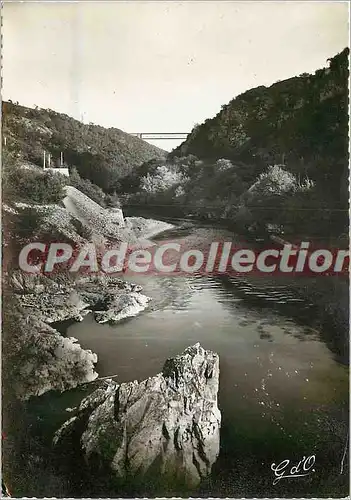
pixel 163 179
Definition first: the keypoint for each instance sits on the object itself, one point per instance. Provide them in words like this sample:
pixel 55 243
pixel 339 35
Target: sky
pixel 160 66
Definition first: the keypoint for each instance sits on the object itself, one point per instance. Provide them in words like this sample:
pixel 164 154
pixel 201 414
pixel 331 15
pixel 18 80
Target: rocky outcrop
pixel 52 301
pixel 65 365
pixel 110 223
pixel 111 298
pixel 49 361
pixel 116 214
pixel 82 219
pixel 56 221
pixel 147 228
pixel 165 428
pixel 63 305
pixel 125 305
pixel 38 358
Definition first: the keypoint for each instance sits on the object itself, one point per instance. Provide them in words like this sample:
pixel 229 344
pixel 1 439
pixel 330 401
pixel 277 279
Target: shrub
pixel 274 181
pixel 163 179
pixel 112 201
pixel 87 187
pixel 223 164
pixel 180 191
pixel 44 187
pixel 32 185
pixel 19 227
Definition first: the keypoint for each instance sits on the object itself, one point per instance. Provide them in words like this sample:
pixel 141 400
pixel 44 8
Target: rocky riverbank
pixel 52 301
pixel 49 361
pixel 43 359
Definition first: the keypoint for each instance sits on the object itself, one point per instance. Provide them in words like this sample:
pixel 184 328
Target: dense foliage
pixel 99 154
pixel 31 196
pixel 301 122
pixel 22 183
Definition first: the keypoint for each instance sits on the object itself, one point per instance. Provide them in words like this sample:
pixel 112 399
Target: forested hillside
pixel 301 122
pixel 273 157
pixel 101 155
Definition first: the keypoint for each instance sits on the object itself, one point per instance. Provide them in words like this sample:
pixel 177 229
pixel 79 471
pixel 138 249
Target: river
pixel 283 392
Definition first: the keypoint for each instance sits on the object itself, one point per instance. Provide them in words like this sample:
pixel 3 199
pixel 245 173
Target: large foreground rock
pixel 164 428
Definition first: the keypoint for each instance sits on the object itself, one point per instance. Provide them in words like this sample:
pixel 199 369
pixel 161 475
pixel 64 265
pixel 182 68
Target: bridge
pixel 148 136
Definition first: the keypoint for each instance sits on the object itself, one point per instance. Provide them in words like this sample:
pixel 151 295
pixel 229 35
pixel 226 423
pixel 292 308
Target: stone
pixel 165 428
pixel 63 363
pixel 125 305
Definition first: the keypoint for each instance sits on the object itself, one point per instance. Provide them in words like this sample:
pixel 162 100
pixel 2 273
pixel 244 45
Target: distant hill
pixel 301 122
pixel 102 155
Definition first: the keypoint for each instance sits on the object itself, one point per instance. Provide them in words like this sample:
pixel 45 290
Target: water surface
pixel 283 393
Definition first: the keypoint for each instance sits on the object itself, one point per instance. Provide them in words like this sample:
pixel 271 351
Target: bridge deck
pixel 160 135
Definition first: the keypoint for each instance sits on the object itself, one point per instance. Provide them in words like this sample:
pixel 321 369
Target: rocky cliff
pixel 39 357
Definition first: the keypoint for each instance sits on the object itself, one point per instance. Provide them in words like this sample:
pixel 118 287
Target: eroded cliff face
pixel 107 223
pixel 165 429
